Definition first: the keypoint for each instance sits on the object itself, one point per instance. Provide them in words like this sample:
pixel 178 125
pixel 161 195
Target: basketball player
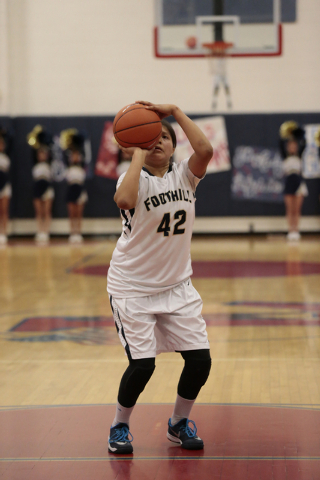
pixel 155 307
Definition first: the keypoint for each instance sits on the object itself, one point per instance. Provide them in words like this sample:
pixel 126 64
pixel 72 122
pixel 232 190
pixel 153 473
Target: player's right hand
pixel 163 110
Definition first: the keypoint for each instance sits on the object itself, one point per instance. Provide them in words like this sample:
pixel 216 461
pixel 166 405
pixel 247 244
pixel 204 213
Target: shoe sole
pixel 173 439
pixel 125 451
pixel 177 441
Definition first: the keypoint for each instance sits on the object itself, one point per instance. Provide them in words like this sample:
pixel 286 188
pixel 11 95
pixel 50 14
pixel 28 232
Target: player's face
pixel 164 149
pixel 75 157
pixel 42 155
pixel 292 147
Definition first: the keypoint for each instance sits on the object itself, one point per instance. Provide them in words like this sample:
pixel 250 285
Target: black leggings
pixel 194 375
pixel 197 366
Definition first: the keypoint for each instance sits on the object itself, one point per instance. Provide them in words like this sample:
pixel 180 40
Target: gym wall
pixel 213 194
pixel 76 63
pixel 75 57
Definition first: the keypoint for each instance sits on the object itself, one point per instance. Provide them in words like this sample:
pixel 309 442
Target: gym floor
pixel 61 362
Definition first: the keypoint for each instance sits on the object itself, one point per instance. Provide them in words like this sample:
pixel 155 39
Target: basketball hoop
pixel 217 49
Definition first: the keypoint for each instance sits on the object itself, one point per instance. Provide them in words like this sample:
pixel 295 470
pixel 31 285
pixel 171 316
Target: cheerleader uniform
pixel 294 184
pixel 76 193
pixel 42 188
pixel 5 187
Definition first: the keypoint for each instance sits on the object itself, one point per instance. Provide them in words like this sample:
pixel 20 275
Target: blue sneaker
pixel 120 439
pixel 184 435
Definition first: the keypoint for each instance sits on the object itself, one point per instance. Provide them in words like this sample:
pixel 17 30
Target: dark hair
pixel 293 133
pixel 168 126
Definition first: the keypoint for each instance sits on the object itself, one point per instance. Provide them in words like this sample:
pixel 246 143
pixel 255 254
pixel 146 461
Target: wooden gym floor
pixel 61 362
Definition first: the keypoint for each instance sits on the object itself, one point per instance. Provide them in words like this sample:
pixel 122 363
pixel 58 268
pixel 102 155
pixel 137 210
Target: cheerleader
pixel 317 140
pixel 292 145
pixel 43 192
pixel 5 187
pixel 73 143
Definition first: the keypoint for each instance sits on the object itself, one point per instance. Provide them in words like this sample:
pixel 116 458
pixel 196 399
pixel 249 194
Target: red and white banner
pixel 215 130
pixel 107 161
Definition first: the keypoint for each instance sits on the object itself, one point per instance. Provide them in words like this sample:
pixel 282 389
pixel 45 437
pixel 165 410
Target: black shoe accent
pixel 184 435
pixel 120 439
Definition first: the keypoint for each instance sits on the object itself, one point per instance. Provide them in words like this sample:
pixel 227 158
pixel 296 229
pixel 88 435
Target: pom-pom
pixel 66 138
pixel 39 137
pixel 287 129
pixel 71 139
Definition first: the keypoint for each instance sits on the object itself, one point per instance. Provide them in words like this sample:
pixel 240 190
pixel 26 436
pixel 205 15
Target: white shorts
pixel 302 190
pixel 48 194
pixel 6 191
pixel 165 322
pixel 220 80
pixel 83 198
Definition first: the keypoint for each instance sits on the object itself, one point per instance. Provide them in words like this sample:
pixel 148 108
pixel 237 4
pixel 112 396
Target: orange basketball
pixel 136 126
pixel 191 42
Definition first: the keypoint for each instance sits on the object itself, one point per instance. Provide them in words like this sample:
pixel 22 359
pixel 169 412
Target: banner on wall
pixel 107 160
pixel 215 130
pixel 257 174
pixel 58 166
pixel 311 161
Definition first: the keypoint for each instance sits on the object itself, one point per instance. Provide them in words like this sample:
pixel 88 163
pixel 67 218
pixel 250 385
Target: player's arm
pixel 203 151
pixel 126 196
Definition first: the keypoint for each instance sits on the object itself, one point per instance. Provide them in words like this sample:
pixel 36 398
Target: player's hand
pixel 130 150
pixel 163 110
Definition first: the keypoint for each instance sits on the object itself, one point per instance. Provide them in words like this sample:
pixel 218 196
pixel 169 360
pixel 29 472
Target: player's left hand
pixel 129 150
pixel 163 110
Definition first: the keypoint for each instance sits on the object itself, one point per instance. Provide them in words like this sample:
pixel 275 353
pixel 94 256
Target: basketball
pixel 136 126
pixel 191 42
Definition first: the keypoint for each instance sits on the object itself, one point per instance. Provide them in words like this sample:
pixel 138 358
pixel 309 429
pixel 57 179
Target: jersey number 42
pixel 164 227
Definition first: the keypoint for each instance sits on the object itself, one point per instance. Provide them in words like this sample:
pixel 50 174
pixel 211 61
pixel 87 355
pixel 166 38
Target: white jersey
pixel 292 164
pixel 153 253
pixel 75 174
pixel 41 171
pixel 4 162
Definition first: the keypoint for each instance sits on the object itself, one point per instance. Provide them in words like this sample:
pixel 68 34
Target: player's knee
pixel 198 364
pixel 140 372
pixel 134 380
pixel 195 373
pixel 143 363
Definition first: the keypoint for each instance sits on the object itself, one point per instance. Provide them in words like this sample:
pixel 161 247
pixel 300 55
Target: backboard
pixel 252 26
